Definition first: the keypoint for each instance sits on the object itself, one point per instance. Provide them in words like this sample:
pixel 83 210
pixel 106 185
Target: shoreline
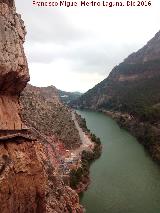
pixel 88 152
pixel 145 133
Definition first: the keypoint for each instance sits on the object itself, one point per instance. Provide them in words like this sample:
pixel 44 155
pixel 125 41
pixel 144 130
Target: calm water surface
pixel 124 179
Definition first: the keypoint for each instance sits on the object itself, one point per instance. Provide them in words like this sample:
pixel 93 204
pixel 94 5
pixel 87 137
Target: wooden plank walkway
pixel 9 134
pixel 7 137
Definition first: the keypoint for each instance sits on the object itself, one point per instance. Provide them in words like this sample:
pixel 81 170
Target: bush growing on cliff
pixel 149 136
pixel 82 123
pixel 151 114
pixel 87 156
pixel 75 177
pixel 95 139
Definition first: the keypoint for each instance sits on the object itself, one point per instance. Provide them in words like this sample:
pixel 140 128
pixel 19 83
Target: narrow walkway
pixel 9 134
pixel 7 137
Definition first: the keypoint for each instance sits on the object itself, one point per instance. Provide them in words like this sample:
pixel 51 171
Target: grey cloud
pixel 99 57
pixel 47 24
pixel 100 42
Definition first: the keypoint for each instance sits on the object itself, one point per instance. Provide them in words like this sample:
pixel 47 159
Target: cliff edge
pixel 29 179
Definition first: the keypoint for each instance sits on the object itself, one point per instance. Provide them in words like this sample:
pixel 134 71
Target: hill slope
pixel 133 86
pixel 132 93
pixel 42 109
pixel 67 97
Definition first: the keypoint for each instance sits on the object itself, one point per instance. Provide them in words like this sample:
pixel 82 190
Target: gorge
pixel 124 179
pixel 38 138
pixel 46 148
pixel 131 95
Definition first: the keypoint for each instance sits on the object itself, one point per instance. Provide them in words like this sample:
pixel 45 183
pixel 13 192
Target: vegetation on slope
pixel 87 157
pixel 133 89
pixel 49 116
pixel 67 97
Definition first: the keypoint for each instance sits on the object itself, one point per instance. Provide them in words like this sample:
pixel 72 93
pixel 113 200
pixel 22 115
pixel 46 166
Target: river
pixel 124 179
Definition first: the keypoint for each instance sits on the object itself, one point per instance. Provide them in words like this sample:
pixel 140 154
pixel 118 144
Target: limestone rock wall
pixel 29 180
pixel 13 64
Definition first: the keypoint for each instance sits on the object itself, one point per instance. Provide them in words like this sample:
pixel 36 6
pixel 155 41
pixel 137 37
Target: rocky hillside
pixel 42 109
pixel 132 88
pixel 29 179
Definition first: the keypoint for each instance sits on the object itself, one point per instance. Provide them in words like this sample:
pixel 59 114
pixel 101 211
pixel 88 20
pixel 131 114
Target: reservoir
pixel 124 179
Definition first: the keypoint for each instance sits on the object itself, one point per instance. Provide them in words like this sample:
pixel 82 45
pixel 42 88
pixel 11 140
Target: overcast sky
pixel 75 48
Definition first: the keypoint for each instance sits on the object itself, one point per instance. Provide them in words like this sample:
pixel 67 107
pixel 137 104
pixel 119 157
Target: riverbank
pixel 145 132
pixel 89 151
pixel 124 179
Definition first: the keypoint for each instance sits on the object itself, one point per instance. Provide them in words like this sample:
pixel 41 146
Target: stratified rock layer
pixel 13 64
pixel 29 179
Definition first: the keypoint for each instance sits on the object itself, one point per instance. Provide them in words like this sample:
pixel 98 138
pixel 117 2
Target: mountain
pixel 52 93
pixel 132 95
pixel 133 86
pixel 68 97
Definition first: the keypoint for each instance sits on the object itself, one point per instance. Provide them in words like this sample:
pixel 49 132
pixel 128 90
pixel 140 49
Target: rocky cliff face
pixel 13 65
pixel 30 181
pixel 29 178
pixel 133 88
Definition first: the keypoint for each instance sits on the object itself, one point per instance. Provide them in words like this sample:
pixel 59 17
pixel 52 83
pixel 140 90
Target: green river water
pixel 124 179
